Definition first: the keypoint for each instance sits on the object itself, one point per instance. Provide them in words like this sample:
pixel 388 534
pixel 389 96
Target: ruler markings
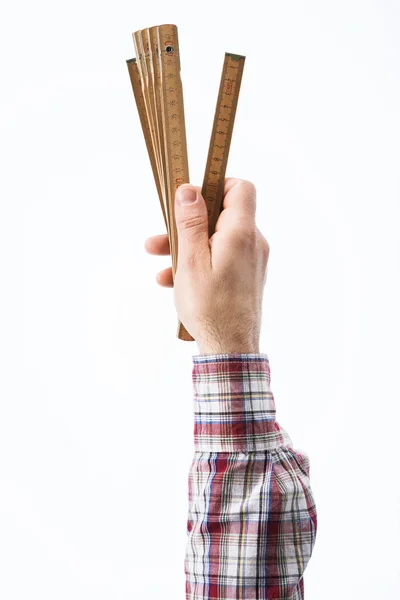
pixel 221 136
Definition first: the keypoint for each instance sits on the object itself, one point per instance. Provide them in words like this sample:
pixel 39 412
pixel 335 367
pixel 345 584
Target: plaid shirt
pixel 252 518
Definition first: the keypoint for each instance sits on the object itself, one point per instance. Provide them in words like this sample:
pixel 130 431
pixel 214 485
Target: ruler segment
pixel 146 40
pixel 176 160
pixel 155 69
pixel 148 100
pixel 144 122
pixel 221 137
pixel 177 168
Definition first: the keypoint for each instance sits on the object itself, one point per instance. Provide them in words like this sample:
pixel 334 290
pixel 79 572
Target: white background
pixel 96 393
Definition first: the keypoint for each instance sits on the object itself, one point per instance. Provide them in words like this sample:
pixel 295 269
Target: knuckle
pixel 248 193
pixel 246 238
pixel 248 187
pixel 252 235
pixel 192 222
pixel 264 246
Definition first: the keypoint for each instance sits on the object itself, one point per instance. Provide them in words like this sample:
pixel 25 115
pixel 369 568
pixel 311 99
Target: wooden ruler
pixel 138 93
pixel 174 129
pixel 157 87
pixel 221 136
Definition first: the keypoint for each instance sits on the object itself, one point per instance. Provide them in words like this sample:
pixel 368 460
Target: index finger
pixel 240 196
pixel 158 244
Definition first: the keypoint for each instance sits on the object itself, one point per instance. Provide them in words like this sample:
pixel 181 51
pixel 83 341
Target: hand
pixel 219 282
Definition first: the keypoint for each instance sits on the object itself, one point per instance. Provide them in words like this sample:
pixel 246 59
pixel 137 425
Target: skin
pixel 219 282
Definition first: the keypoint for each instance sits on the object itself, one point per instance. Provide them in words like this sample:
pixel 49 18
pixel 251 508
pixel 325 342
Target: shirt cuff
pixel 234 409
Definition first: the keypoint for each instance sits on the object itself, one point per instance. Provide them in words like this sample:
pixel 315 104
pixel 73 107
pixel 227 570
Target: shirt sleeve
pixel 252 518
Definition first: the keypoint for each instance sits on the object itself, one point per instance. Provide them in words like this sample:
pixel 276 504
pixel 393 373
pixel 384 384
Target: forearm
pixel 252 518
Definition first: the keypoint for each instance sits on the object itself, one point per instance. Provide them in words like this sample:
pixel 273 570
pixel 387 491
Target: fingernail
pixel 186 195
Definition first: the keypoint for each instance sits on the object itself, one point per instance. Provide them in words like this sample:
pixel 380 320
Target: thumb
pixel 192 226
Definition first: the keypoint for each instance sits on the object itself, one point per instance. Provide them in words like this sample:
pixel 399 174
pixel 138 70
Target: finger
pixel 229 183
pixel 158 244
pixel 192 227
pixel 240 196
pixel 164 278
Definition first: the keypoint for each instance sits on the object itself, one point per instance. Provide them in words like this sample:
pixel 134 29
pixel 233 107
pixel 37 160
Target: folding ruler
pixel 157 88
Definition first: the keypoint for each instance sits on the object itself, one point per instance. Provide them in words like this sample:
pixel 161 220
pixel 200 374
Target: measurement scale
pixel 221 137
pixel 157 88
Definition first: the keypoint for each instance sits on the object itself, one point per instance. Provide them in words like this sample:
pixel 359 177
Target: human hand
pixel 219 282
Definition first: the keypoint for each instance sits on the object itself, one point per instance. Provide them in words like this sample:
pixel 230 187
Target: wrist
pixel 233 347
pixel 223 337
